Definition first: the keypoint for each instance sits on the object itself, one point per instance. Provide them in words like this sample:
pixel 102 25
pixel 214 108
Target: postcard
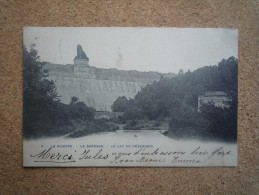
pixel 130 97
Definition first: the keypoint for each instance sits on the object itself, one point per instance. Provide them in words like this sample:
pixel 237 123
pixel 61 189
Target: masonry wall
pixel 98 88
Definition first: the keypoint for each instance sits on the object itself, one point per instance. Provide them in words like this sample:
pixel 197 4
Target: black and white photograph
pixel 130 97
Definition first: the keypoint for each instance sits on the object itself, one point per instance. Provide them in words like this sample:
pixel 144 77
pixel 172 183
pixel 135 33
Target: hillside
pixel 176 100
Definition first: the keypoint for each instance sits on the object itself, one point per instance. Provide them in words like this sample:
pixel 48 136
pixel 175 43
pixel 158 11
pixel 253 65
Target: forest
pixel 175 101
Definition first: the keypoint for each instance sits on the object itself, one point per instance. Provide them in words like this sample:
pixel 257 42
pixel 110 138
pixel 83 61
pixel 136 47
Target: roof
pixel 215 93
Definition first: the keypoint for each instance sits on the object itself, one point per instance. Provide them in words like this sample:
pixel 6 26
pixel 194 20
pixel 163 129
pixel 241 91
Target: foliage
pixel 177 98
pixel 121 104
pixel 74 100
pixel 133 112
pixel 222 122
pixel 133 125
pixel 174 99
pixel 186 117
pixel 40 96
pixel 81 111
pixel 44 114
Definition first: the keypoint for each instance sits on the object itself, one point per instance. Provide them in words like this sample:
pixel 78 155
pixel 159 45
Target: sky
pixel 144 49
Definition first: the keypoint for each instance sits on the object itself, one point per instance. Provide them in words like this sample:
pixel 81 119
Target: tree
pixel 132 112
pixel 40 95
pixel 80 110
pixel 180 72
pixel 176 99
pixel 222 121
pixel 187 121
pixel 121 104
pixel 74 100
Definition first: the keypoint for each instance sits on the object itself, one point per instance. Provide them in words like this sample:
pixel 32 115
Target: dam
pixel 97 87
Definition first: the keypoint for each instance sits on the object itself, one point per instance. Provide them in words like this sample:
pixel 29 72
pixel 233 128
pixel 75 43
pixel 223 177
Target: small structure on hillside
pixel 107 115
pixel 217 98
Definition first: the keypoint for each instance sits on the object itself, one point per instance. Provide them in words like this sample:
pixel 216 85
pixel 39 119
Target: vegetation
pixel 44 114
pixel 121 104
pixel 170 103
pixel 176 100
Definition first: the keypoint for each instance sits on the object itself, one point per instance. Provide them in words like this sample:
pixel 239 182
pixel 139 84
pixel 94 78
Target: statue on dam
pixel 97 87
pixel 81 58
pixel 81 54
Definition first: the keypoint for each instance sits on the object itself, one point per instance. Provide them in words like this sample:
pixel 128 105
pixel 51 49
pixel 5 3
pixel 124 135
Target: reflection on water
pixel 128 134
pixel 142 131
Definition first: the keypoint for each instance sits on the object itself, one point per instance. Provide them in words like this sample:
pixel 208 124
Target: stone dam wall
pixel 98 88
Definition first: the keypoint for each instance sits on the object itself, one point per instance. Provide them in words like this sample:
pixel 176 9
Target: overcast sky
pixel 143 49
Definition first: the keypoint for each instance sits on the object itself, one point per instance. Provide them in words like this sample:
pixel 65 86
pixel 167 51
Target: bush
pixel 133 113
pixel 81 111
pixel 133 125
pixel 121 104
pixel 187 122
pixel 157 124
pixel 40 96
pixel 222 121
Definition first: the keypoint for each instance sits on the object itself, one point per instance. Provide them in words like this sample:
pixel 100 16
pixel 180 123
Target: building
pixel 107 115
pixel 217 98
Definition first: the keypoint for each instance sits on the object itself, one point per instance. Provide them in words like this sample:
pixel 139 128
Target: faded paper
pixel 130 97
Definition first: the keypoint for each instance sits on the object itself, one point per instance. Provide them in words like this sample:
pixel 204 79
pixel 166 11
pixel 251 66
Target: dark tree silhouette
pixel 176 99
pixel 40 95
pixel 44 115
pixel 74 100
pixel 121 104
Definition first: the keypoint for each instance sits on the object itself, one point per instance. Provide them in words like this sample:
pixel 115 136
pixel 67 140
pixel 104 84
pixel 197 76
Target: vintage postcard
pixel 130 97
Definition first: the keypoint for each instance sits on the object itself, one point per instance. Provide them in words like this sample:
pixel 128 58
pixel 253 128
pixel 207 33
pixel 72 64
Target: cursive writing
pixel 48 156
pixel 133 156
